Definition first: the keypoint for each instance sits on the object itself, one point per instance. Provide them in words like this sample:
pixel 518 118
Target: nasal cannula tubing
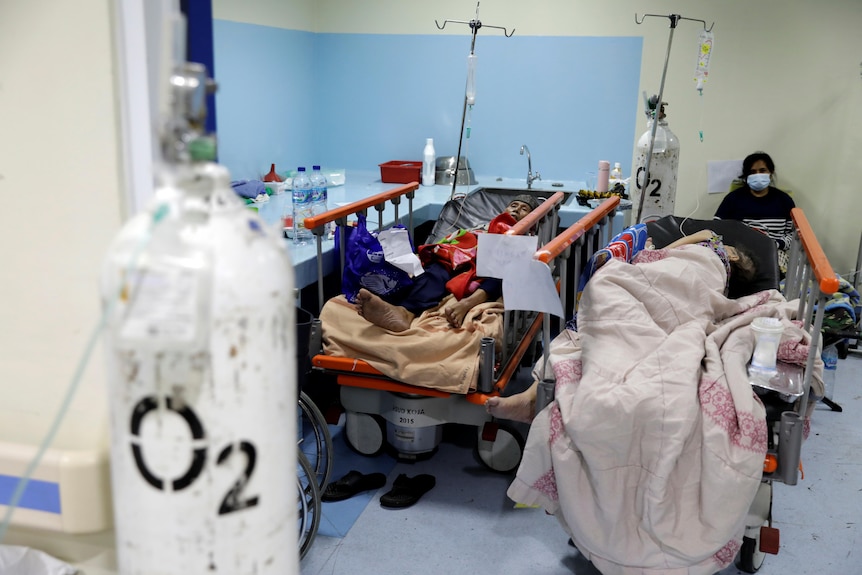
pixel 160 212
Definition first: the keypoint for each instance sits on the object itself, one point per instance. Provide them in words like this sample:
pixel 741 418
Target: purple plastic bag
pixel 364 266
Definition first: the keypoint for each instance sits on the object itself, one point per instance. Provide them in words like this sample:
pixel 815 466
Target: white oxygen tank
pixel 200 344
pixel 663 170
pixel 202 387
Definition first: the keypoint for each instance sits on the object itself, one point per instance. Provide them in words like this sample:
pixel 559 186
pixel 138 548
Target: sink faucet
pixel 530 176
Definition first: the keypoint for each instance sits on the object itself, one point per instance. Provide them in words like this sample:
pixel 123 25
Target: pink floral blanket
pixel 653 448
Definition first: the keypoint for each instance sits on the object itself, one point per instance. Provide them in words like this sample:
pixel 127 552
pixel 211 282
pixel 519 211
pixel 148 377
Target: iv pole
pixel 674 20
pixel 474 26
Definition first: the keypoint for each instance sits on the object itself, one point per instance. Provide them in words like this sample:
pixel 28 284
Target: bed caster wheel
pixel 500 447
pixel 365 434
pixel 756 543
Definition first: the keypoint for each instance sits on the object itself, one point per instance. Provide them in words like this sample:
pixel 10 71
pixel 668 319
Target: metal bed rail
pixel 317 224
pixel 519 327
pixel 569 251
pixel 811 280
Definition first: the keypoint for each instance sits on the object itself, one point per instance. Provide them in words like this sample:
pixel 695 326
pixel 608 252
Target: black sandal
pixel 351 484
pixel 407 490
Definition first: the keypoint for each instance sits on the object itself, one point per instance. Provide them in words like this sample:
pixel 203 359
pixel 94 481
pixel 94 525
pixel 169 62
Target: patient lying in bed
pixel 631 246
pixel 412 340
pixel 444 273
pixel 652 450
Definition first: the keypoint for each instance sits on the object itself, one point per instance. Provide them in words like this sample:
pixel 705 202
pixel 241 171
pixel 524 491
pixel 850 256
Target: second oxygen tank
pixel 663 170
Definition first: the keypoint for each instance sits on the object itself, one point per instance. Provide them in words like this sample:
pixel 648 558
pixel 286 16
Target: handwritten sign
pixel 527 282
pixel 531 287
pixel 495 252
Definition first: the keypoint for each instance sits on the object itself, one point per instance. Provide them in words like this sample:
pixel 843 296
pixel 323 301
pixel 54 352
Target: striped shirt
pixel 769 214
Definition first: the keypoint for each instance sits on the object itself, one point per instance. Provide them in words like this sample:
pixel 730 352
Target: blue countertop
pixel 427 204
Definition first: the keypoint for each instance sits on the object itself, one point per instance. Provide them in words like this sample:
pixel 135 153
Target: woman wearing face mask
pixel 760 205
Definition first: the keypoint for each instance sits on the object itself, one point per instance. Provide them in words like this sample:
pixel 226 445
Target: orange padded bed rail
pixel 820 266
pixel 558 245
pixel 359 205
pixel 524 226
pixel 358 373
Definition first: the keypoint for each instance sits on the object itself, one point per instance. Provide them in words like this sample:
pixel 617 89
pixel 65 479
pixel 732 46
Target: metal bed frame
pixel 375 404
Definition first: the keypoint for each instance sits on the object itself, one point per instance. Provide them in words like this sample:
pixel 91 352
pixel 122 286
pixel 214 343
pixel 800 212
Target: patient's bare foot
pixel 381 313
pixel 518 407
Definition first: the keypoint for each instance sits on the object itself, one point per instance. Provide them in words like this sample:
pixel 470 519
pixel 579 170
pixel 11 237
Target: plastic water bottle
pixel 319 194
pixel 429 161
pixel 830 365
pixel 301 205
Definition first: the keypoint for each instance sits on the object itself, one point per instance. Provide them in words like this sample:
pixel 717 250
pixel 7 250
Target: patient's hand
pixel 702 236
pixel 695 238
pixel 456 310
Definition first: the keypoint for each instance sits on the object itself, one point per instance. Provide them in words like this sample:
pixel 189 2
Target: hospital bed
pixel 811 281
pixel 375 406
pixel 787 399
pixel 384 412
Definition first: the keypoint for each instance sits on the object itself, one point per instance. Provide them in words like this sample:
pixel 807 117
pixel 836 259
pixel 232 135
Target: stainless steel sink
pixel 484 202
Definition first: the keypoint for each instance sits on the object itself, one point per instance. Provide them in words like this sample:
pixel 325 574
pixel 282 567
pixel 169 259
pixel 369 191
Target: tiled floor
pixel 466 524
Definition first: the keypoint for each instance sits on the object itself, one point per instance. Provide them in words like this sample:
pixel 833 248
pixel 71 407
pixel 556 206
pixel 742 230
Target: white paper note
pixel 531 287
pixel 398 252
pixel 527 282
pixel 719 175
pixel 495 252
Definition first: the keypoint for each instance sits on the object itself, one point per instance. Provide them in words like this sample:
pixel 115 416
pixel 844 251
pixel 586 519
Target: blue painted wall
pixel 356 100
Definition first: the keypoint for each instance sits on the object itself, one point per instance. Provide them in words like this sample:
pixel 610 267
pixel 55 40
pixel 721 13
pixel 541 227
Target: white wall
pixel 59 181
pixel 291 14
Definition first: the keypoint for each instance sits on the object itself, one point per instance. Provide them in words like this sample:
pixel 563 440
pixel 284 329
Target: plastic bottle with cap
pixel 319 194
pixel 429 158
pixel 301 205
pixel 617 172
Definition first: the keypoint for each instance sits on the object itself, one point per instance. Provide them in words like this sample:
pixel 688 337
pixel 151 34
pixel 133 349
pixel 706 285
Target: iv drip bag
pixel 471 79
pixel 704 51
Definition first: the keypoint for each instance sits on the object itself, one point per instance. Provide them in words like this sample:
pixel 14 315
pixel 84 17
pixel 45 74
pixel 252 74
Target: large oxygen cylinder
pixel 663 170
pixel 201 354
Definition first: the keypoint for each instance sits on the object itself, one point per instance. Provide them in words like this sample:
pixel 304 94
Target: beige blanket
pixel 653 449
pixel 428 354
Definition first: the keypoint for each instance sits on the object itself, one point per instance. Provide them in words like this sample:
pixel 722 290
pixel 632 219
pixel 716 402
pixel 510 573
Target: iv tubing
pixel 475 25
pixel 72 389
pixel 55 425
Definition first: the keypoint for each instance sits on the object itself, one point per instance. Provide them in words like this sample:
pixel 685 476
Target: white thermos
pixel 429 159
pixel 604 175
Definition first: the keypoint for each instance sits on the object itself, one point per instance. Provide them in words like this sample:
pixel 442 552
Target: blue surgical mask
pixel 758 182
